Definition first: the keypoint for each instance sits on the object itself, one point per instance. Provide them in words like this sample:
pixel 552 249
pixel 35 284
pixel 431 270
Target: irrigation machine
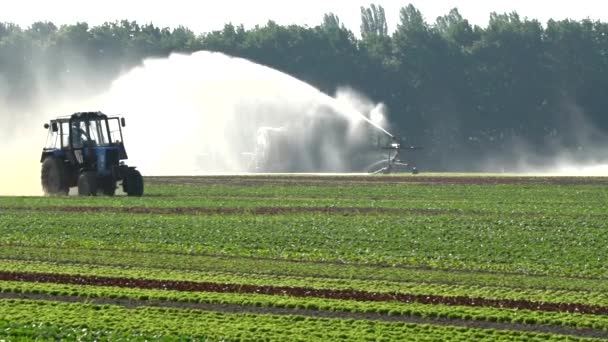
pixel 393 162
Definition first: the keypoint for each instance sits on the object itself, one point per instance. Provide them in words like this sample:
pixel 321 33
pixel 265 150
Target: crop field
pixel 287 258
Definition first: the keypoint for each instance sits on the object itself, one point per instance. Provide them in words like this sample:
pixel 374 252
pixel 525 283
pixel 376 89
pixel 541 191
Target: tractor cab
pixel 82 134
pixel 87 150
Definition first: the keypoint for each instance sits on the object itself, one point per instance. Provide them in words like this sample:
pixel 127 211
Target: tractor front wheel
pixel 133 184
pixel 54 177
pixel 87 184
pixel 108 186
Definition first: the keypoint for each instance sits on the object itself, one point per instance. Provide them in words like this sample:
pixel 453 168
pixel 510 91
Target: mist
pixel 209 113
pixel 206 113
pixel 575 146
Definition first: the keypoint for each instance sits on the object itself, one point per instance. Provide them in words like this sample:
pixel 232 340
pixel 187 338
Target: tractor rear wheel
pixel 54 177
pixel 87 183
pixel 133 184
pixel 108 186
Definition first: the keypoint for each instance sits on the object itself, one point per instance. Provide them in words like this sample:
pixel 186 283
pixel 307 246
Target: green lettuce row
pixel 49 332
pixel 549 246
pixel 419 288
pixel 534 198
pixel 161 322
pixel 315 304
pixel 277 267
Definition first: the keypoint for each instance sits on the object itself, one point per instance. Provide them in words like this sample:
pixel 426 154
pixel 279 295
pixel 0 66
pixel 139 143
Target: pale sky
pixel 204 16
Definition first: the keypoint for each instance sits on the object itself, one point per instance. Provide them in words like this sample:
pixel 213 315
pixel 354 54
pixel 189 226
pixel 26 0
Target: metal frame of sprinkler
pixel 393 161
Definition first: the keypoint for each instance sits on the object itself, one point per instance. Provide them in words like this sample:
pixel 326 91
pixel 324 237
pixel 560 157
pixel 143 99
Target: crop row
pixel 257 267
pixel 538 199
pixel 500 206
pixel 302 291
pixel 194 323
pixel 48 332
pixel 308 209
pixel 599 298
pixel 541 199
pixel 551 246
pixel 393 190
pixel 312 304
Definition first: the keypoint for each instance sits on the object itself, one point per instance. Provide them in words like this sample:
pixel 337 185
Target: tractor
pixel 86 150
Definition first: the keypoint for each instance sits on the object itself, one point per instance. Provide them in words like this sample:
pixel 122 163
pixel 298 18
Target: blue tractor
pixel 86 150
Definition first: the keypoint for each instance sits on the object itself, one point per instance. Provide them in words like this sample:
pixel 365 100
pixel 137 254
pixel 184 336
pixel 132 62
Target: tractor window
pixel 65 134
pixel 98 132
pixel 78 134
pixel 52 140
pixel 88 133
pixel 115 133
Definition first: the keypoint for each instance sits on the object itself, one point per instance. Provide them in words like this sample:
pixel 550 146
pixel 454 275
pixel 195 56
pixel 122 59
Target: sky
pixel 204 16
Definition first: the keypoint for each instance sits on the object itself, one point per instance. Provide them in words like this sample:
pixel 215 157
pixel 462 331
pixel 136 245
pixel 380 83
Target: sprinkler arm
pixel 406 148
pixel 396 145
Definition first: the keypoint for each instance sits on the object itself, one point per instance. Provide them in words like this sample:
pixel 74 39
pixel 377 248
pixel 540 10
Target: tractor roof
pixel 88 116
pixel 81 116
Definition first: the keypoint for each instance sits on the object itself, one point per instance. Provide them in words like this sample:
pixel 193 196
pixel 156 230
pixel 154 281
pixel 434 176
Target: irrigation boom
pixel 393 161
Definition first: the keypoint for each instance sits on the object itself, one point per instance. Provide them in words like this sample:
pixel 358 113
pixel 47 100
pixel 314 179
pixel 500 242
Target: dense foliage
pixel 465 92
pixel 344 257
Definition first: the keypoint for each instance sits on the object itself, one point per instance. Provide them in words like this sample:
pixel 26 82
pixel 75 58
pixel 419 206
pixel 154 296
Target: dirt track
pixel 362 180
pixel 299 292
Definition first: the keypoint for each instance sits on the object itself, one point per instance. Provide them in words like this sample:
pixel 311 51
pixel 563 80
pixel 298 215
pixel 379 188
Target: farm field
pixel 426 257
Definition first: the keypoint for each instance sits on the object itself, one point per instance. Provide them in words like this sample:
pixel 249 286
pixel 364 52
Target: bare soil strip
pixel 330 180
pixel 242 309
pixel 301 292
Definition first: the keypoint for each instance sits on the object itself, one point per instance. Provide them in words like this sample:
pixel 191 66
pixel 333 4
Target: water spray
pixel 234 116
pixel 378 127
pixel 376 114
pixel 203 113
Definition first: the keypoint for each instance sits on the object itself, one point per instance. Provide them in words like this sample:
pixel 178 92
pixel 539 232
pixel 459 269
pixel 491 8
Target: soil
pixel 360 180
pixel 301 292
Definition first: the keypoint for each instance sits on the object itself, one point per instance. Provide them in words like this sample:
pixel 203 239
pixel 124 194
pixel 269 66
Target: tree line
pixel 464 92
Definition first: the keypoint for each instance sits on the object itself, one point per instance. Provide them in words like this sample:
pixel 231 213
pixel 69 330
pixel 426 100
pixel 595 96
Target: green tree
pixel 373 21
pixel 465 92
